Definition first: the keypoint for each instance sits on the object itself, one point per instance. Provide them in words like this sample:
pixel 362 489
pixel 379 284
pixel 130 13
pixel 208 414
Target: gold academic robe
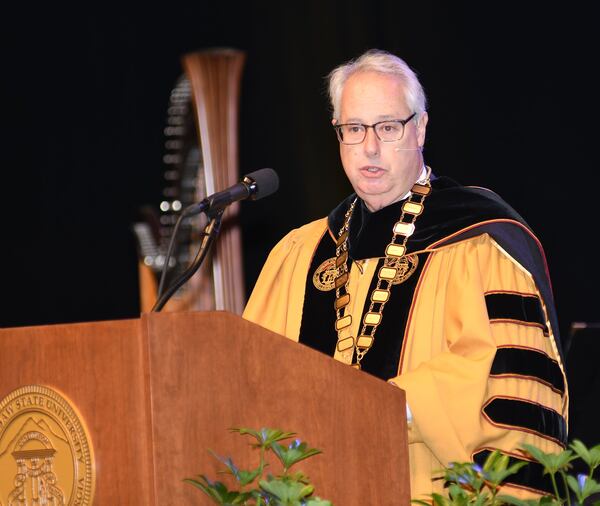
pixel 479 372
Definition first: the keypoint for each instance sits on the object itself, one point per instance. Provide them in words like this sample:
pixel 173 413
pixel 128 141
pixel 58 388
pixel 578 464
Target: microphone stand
pixel 209 235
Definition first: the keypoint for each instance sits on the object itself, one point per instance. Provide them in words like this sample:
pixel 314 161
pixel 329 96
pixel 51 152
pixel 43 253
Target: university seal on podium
pixel 46 456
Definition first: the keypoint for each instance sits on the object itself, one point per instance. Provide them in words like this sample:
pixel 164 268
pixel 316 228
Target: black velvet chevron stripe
pixel 523 362
pixel 512 306
pixel 530 476
pixel 527 416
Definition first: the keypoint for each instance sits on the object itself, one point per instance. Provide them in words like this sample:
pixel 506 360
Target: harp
pixel 200 158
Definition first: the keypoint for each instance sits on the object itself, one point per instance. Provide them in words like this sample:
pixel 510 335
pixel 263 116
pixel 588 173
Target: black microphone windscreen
pixel 267 182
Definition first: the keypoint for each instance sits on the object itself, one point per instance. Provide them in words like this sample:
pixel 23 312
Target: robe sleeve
pixel 464 364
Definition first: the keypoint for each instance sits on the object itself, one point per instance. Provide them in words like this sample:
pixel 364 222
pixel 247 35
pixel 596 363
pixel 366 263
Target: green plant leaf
pixel 583 486
pixel 241 475
pixel 298 476
pixel 574 484
pixel 461 474
pixel 537 454
pixel 490 461
pixel 581 450
pixel 316 501
pixel 440 500
pixel 218 491
pixel 286 491
pixel 481 499
pixel 591 487
pixel 247 477
pixel 294 453
pixel 595 454
pixel 458 494
pixel 552 462
pixel 590 456
pixel 497 477
pixel 549 501
pixel 265 436
pixel 513 501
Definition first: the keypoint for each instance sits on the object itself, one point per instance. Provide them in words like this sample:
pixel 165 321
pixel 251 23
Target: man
pixel 439 289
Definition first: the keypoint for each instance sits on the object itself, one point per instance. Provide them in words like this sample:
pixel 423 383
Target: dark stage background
pixel 85 95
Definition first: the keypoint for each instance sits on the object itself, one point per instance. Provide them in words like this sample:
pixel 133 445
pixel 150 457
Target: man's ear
pixel 334 121
pixel 422 128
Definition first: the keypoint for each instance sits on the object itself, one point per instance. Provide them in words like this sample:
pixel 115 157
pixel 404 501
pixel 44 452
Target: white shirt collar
pixel 421 179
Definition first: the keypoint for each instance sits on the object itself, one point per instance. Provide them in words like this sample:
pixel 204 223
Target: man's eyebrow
pixel 382 117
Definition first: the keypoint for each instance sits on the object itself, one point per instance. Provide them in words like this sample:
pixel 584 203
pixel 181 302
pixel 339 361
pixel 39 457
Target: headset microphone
pixel 407 149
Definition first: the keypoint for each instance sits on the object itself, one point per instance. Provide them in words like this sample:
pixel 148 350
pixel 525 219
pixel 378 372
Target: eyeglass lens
pixel 387 131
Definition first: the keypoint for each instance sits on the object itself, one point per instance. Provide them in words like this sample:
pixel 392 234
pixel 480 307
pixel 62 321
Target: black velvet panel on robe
pixel 318 318
pixel 317 328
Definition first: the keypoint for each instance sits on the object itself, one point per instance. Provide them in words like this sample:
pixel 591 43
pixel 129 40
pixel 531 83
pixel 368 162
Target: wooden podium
pixel 157 392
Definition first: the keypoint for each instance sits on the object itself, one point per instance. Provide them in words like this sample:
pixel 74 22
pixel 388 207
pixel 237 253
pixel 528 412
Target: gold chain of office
pixel 394 252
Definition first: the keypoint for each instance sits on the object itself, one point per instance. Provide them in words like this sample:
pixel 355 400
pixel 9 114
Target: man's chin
pixel 374 202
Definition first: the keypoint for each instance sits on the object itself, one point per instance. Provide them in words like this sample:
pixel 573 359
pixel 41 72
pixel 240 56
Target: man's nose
pixel 371 142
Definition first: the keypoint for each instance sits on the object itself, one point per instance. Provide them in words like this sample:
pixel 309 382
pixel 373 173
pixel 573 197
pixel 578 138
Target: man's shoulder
pixel 310 229
pixel 471 203
pixel 453 210
pixel 305 234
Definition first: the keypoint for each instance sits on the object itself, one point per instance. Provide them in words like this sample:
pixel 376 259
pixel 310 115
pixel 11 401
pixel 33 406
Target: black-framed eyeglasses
pixel 386 131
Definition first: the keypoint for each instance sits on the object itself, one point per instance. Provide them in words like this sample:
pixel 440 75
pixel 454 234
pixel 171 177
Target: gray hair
pixel 376 60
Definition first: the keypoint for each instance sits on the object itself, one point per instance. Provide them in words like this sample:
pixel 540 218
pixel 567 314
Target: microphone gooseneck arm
pixel 163 274
pixel 209 235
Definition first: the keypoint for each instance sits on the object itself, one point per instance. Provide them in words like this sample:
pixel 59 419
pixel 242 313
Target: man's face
pixel 380 172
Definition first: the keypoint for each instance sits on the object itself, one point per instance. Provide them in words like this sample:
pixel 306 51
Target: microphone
pixel 253 186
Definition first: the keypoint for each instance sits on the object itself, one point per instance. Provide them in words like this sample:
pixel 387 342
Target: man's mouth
pixel 371 170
